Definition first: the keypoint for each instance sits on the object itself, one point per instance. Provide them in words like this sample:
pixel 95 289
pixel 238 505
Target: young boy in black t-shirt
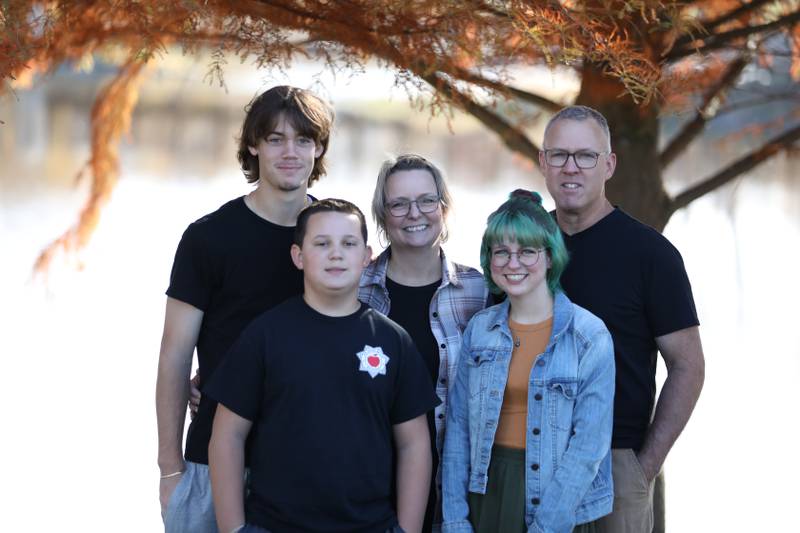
pixel 330 384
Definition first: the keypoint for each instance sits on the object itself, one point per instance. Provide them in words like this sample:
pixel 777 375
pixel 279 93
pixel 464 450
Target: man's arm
pixel 683 356
pixel 413 442
pixel 181 329
pixel 226 467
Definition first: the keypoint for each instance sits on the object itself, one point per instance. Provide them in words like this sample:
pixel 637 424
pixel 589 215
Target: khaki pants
pixel 633 496
pixel 658 504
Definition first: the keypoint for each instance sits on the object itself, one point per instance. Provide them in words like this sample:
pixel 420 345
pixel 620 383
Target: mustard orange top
pixel 530 341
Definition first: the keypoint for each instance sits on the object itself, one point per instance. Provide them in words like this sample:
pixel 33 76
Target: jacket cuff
pixel 462 526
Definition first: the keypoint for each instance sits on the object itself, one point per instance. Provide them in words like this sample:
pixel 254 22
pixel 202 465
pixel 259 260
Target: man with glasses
pixel 631 277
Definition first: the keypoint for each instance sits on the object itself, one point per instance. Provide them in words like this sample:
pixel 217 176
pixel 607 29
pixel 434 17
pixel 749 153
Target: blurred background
pixel 80 342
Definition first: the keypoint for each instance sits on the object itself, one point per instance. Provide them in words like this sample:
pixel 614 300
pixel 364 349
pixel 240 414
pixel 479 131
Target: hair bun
pixel 533 196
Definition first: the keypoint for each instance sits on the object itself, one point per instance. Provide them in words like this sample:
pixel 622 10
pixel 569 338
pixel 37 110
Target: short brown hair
pixel 327 205
pixel 304 110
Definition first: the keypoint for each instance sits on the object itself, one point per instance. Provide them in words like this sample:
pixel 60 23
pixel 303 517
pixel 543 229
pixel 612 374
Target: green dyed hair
pixel 523 219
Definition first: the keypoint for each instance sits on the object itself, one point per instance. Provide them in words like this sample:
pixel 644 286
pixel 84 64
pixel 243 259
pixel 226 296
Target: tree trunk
pixel 637 185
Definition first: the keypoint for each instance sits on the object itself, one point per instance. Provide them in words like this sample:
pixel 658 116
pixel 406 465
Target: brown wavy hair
pixel 305 111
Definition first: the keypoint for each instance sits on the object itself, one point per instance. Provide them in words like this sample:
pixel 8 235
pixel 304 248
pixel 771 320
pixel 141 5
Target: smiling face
pixel 415 229
pixel 578 191
pixel 285 157
pixel 518 280
pixel 332 255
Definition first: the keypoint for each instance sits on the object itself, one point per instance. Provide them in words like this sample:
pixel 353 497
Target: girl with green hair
pixel 528 432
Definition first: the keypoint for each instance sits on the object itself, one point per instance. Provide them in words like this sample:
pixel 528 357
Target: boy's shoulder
pixel 290 311
pixel 218 229
pixel 295 310
pixel 221 216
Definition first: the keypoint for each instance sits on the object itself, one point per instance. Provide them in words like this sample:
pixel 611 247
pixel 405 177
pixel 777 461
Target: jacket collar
pixel 375 273
pixel 563 313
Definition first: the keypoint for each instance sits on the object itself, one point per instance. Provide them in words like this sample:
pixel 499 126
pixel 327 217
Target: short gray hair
pixel 580 113
pixel 408 162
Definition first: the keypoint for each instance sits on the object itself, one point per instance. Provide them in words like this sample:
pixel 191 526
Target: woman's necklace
pixel 516 341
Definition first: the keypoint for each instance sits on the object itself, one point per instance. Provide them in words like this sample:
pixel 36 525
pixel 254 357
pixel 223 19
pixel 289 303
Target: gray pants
pixel 633 496
pixel 190 508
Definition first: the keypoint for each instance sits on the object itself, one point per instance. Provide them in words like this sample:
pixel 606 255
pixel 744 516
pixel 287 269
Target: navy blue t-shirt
pixel 323 394
pixel 633 278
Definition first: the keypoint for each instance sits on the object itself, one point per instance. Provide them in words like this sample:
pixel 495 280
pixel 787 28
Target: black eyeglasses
pixel 527 257
pixel 584 159
pixel 426 204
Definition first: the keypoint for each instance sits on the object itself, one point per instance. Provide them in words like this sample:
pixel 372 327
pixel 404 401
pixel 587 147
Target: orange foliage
pixel 687 79
pixel 111 114
pixel 660 52
pixel 795 70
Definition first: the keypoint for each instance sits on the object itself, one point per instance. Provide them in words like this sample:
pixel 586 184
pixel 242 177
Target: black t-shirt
pixel 409 308
pixel 233 265
pixel 323 394
pixel 633 278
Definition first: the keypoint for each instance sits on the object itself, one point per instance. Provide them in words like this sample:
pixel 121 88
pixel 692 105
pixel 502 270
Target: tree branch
pixel 705 112
pixel 511 136
pixel 520 94
pixel 720 40
pixel 535 99
pixel 751 160
pixel 727 17
pixel 766 99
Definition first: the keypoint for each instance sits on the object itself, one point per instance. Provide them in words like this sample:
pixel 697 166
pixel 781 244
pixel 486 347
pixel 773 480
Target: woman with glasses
pixel 415 284
pixel 528 438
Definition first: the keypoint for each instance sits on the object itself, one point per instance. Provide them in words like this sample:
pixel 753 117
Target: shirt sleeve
pixel 238 383
pixel 191 279
pixel 414 392
pixel 669 303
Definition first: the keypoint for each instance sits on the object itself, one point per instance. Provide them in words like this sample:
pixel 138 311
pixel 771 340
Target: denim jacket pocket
pixel 562 393
pixel 479 364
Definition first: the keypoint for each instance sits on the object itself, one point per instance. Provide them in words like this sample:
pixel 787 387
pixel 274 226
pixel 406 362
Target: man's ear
pixel 367 256
pixel 253 151
pixel 611 165
pixel 297 256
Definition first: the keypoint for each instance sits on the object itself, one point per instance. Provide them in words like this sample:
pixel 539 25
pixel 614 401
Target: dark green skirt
pixel 502 508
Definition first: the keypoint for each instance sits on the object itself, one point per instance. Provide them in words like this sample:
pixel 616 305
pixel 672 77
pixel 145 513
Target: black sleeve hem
pixel 236 409
pixel 414 413
pixel 186 298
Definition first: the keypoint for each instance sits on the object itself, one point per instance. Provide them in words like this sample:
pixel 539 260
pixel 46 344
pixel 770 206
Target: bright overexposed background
pixel 80 346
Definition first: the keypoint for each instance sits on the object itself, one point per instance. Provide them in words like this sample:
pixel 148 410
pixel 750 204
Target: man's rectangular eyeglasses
pixel 584 159
pixel 426 204
pixel 526 257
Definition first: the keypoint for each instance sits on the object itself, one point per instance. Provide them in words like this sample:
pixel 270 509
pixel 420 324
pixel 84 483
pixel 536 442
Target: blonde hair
pixel 408 162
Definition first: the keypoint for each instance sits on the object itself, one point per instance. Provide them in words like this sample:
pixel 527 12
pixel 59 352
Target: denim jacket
pixel 570 407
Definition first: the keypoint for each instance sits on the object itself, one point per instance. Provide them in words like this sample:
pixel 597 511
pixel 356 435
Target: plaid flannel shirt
pixel 461 294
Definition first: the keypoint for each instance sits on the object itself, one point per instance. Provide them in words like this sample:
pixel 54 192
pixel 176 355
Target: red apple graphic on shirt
pixel 373 360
